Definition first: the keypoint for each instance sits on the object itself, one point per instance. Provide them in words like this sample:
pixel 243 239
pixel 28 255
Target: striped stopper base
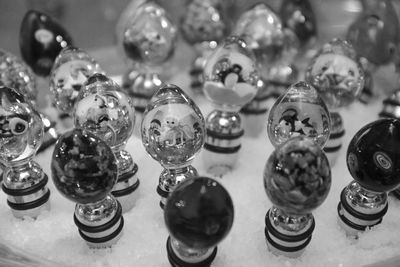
pixel 30 200
pixel 223 142
pixel 177 261
pixel 289 244
pixel 125 190
pixel 355 219
pixel 104 234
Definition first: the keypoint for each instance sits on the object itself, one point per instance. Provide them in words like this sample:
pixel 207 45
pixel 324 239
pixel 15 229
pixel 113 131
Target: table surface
pixel 54 236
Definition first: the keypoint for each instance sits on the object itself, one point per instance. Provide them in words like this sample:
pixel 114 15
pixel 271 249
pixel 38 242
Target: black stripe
pixel 140 109
pixel 225 136
pixel 126 191
pixel 392 102
pixel 332 149
pixel 396 193
pixel 48 140
pixel 222 150
pixel 103 227
pixel 283 248
pixel 288 238
pixel 354 225
pixel 63 116
pixel 126 176
pixel 26 191
pixel 253 111
pixel 175 261
pixel 140 95
pixel 162 205
pixel 30 205
pixel 162 192
pixel 359 215
pixel 384 114
pixel 337 135
pixel 105 238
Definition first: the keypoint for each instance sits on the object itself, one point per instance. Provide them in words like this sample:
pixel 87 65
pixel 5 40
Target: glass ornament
pixel 336 73
pixel 375 33
pixel 297 179
pixel 70 71
pixel 300 111
pixel 21 133
pixel 373 155
pixel 173 132
pixel 85 171
pixel 298 15
pixel 172 128
pixel 230 75
pixel 205 21
pixel 198 214
pixel 83 166
pixel 149 36
pixel 41 40
pixel 15 74
pixel 149 41
pixel 297 176
pixel 104 110
pixel 372 159
pixel 203 26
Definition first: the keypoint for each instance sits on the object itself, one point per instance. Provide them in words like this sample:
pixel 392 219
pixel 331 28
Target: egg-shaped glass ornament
pixel 173 127
pixel 83 166
pixel 41 39
pixel 300 111
pixel 376 32
pixel 230 75
pixel 17 75
pixel 199 213
pixel 297 176
pixel 262 30
pixel 105 110
pixel 336 73
pixel 373 155
pixel 71 69
pixel 205 20
pixel 21 129
pixel 149 36
pixel 298 15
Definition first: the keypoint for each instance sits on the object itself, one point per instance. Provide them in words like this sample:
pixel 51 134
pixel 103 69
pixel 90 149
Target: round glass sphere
pixel 173 128
pixel 230 75
pixel 71 69
pixel 376 32
pixel 300 111
pixel 149 36
pixel 41 40
pixel 205 20
pixel 21 129
pixel 373 155
pixel 103 109
pixel 199 213
pixel 297 176
pixel 17 75
pixel 336 73
pixel 83 166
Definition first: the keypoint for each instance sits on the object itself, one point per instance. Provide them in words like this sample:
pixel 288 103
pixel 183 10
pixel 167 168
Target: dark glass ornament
pixel 199 213
pixel 83 166
pixel 297 176
pixel 299 16
pixel 41 40
pixel 375 32
pixel 373 155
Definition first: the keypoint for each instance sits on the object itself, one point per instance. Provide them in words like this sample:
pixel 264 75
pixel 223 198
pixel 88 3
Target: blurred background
pixel 92 23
